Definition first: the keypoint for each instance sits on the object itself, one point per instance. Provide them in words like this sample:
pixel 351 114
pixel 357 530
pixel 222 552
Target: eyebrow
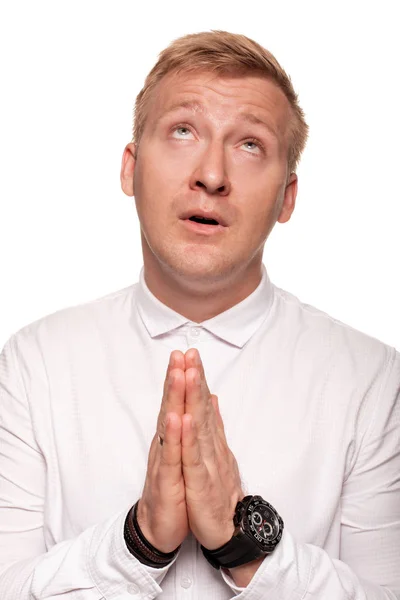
pixel 250 118
pixel 195 106
pixel 192 105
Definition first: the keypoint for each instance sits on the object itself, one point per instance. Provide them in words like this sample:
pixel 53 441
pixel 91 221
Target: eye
pixel 253 146
pixel 181 132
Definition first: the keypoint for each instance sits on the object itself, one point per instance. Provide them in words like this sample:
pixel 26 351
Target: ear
pixel 128 170
pixel 289 199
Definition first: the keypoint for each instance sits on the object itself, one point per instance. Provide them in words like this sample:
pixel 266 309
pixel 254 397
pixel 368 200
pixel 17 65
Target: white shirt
pixel 311 413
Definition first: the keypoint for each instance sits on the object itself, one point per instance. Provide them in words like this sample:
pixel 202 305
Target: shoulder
pixel 324 335
pixel 81 320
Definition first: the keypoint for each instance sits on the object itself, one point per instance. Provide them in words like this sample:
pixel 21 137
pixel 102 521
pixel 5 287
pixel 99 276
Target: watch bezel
pixel 249 528
pixel 243 547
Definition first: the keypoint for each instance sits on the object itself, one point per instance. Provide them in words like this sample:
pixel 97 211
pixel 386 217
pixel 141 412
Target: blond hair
pixel 223 53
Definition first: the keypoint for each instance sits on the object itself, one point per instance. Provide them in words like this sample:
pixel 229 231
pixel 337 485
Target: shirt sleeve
pixel 94 565
pixel 369 564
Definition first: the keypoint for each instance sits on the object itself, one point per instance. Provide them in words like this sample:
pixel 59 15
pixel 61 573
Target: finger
pixel 176 361
pixel 153 453
pixel 171 451
pixel 172 400
pixel 218 417
pixel 174 397
pixel 193 360
pixel 195 472
pixel 197 399
pixel 199 408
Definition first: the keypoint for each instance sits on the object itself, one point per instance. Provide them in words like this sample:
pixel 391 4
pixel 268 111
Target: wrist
pixel 216 537
pixel 244 574
pixel 140 547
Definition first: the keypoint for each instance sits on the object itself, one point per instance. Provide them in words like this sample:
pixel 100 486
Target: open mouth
pixel 203 220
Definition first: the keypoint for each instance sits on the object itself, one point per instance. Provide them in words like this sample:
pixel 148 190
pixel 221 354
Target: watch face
pixel 263 523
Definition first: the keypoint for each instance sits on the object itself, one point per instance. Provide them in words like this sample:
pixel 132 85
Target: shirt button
pixel 186 582
pixel 194 332
pixel 133 589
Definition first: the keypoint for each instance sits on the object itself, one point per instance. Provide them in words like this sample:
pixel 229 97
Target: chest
pixel 285 418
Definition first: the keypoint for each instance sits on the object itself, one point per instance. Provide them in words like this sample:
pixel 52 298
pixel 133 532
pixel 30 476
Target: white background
pixel 70 71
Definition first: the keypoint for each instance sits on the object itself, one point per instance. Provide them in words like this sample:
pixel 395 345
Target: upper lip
pixel 199 212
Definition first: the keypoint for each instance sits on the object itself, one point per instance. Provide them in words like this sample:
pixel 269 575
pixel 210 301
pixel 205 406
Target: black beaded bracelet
pixel 140 547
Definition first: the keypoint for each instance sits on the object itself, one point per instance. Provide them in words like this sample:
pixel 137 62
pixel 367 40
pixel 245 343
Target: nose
pixel 210 173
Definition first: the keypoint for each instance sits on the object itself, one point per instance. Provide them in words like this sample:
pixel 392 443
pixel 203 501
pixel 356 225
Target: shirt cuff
pixel 276 577
pixel 158 574
pixel 112 567
pixel 229 581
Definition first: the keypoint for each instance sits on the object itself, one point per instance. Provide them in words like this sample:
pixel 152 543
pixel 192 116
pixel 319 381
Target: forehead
pixel 222 97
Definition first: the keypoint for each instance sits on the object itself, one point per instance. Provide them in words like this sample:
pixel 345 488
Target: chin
pixel 200 269
pixel 191 264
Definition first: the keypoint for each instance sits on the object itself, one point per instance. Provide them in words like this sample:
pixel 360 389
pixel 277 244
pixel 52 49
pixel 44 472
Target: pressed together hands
pixel 192 481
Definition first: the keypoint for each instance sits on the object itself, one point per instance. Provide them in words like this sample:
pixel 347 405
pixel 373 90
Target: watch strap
pixel 238 551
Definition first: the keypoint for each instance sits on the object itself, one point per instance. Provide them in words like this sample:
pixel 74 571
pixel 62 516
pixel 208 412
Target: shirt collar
pixel 235 325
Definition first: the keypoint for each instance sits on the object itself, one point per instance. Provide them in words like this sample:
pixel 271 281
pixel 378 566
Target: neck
pixel 202 299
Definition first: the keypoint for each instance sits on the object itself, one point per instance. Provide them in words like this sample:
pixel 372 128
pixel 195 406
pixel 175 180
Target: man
pixel 270 468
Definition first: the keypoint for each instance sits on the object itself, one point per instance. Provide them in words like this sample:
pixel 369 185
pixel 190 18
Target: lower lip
pixel 202 228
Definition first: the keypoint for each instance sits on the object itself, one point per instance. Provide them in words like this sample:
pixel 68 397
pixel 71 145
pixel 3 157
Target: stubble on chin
pixel 199 264
pixel 192 263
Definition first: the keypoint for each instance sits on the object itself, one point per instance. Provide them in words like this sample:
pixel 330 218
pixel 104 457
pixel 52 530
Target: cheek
pixel 160 176
pixel 148 189
pixel 264 196
pixel 259 211
pixel 155 193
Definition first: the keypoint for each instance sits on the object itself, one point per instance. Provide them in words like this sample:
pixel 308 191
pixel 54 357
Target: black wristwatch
pixel 258 530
